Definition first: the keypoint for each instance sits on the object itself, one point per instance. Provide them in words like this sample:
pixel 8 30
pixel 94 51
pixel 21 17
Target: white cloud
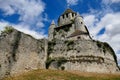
pixel 110 1
pixel 90 21
pixel 72 2
pixel 115 1
pixel 118 58
pixel 30 12
pixel 26 29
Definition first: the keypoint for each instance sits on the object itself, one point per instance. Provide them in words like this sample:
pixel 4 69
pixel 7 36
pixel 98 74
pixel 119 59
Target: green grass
pixel 62 75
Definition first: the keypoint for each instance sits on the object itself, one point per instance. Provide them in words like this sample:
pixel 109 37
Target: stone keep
pixel 70 26
pixel 72 48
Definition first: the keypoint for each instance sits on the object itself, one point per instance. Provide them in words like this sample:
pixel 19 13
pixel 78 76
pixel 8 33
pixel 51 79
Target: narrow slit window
pixel 72 14
pixel 67 15
pixel 63 17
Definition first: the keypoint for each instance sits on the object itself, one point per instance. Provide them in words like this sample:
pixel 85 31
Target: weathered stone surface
pixel 20 52
pixel 83 55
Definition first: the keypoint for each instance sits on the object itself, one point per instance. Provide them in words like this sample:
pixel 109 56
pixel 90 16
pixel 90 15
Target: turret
pixel 67 17
pixel 51 31
pixel 79 24
pixel 81 32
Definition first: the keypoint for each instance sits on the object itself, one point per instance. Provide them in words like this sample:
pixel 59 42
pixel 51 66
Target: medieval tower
pixel 68 47
pixel 70 27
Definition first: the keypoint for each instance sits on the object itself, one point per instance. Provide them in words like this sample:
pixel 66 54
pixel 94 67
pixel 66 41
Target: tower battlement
pixel 67 17
pixel 70 27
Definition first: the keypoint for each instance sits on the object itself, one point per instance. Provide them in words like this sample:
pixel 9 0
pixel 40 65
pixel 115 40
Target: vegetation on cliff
pixel 7 30
pixel 106 47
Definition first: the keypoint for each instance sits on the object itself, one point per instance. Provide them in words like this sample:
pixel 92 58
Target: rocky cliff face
pixel 82 55
pixel 20 52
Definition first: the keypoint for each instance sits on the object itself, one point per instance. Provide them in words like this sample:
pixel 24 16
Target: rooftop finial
pixel 53 22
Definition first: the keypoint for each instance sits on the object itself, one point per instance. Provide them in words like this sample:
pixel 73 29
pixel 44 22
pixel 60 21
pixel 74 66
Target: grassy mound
pixel 63 75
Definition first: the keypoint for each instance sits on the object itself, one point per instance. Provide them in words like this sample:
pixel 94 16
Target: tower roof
pixel 69 11
pixel 53 22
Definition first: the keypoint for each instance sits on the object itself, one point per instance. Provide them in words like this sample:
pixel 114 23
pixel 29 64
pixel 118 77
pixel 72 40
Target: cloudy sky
pixel 33 17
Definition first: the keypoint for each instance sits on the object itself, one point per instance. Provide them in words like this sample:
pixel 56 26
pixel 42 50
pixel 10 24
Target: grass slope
pixel 63 75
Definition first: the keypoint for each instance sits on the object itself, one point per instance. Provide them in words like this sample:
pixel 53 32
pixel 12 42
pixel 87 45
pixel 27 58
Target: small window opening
pixel 72 14
pixel 67 15
pixel 78 37
pixel 63 16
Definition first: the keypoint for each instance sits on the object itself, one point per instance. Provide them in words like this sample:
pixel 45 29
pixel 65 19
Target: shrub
pixel 66 29
pixel 70 45
pixel 8 29
pixel 99 44
pixel 54 33
pixel 51 46
pixel 109 48
pixel 49 61
pixel 69 42
pixel 60 31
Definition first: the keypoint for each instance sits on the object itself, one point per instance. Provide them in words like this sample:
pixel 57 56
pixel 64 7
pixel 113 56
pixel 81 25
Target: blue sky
pixel 33 17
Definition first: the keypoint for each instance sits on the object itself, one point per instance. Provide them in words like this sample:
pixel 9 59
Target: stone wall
pixel 82 55
pixel 64 32
pixel 80 37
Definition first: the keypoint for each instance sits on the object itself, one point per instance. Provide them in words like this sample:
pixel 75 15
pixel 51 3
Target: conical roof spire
pixel 53 22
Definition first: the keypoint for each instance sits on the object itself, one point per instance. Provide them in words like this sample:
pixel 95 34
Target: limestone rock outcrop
pixel 20 52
